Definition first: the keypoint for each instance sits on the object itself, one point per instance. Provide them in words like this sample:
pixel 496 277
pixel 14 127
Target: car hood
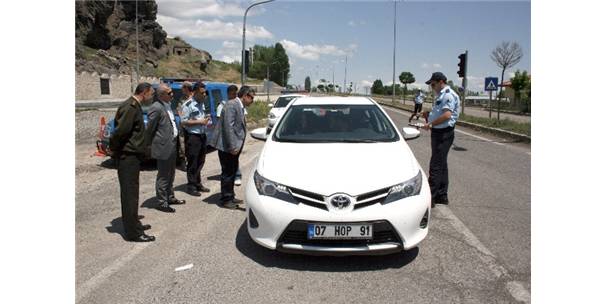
pixel 329 168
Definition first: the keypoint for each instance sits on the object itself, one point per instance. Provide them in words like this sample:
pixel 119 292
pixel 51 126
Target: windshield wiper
pixel 357 140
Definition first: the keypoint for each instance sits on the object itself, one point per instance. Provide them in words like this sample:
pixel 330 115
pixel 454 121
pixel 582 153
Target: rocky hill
pixel 105 43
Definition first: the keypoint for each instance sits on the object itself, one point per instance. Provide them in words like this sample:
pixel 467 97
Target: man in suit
pixel 128 146
pixel 163 135
pixel 229 140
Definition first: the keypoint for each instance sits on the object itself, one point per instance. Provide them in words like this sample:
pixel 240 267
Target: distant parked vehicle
pixel 279 107
pixel 217 91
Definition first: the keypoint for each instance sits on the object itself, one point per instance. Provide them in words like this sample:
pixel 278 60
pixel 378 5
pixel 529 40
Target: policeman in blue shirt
pixel 194 121
pixel 441 120
pixel 418 105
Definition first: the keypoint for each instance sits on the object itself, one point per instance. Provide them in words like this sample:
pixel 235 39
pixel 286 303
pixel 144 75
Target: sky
pixel 320 35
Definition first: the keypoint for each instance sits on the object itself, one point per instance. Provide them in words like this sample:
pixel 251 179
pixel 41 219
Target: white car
pixel 335 177
pixel 279 107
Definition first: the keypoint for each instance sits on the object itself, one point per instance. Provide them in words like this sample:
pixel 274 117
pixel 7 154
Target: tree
pixel 279 71
pixel 307 84
pixel 520 82
pixel 406 78
pixel 506 55
pixel 272 59
pixel 377 87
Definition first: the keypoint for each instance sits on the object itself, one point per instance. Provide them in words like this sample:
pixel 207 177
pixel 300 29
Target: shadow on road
pixel 216 177
pixel 150 203
pixel 117 227
pixel 270 258
pixel 147 165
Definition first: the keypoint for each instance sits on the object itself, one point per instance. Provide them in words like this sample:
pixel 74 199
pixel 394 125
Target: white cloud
pixel 351 23
pixel 313 51
pixel 214 29
pixel 424 65
pixel 365 83
pixel 231 45
pixel 436 65
pixel 192 9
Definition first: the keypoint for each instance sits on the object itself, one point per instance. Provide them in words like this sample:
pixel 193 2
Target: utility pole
pixel 464 83
pixel 345 80
pixel 137 37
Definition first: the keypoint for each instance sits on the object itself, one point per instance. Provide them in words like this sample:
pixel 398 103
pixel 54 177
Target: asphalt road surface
pixel 477 250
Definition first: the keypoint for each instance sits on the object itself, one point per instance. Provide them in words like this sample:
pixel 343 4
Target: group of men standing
pixel 132 138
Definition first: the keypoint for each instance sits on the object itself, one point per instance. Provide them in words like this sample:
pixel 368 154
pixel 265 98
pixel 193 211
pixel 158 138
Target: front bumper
pixel 281 226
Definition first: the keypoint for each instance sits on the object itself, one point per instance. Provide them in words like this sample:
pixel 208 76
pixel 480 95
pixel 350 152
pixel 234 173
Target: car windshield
pixel 283 101
pixel 335 123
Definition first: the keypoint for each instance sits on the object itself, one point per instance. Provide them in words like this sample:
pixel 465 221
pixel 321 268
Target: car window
pixel 283 101
pixel 335 123
pixel 216 99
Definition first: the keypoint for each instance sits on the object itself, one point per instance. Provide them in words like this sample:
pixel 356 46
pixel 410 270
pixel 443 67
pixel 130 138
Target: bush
pixel 257 110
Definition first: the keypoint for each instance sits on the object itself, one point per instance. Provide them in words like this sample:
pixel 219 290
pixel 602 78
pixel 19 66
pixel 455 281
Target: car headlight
pixel 408 188
pixel 271 115
pixel 273 189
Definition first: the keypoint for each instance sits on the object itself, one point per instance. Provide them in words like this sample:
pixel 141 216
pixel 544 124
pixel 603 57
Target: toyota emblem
pixel 340 201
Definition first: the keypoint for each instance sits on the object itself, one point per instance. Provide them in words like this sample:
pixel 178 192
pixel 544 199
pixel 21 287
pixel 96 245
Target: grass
pixel 257 110
pixel 504 124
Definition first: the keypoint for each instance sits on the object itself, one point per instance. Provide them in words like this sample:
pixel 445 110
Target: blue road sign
pixel 490 83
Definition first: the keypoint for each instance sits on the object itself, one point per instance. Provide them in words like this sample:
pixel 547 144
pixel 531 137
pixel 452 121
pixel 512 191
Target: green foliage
pixel 257 110
pixel 273 59
pixel 377 87
pixel 520 83
pixel 307 84
pixel 406 78
pixel 504 124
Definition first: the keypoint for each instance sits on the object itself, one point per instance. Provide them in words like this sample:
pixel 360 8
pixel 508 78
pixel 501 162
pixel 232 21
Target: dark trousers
pixel 195 145
pixel 418 109
pixel 165 179
pixel 229 167
pixel 129 166
pixel 441 140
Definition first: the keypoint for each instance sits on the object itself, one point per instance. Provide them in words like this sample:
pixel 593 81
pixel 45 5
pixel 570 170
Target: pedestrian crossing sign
pixel 490 83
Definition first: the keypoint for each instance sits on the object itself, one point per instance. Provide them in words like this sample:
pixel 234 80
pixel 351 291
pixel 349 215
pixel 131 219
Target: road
pixel 477 250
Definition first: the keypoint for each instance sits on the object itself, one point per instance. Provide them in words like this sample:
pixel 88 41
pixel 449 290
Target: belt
pixel 442 130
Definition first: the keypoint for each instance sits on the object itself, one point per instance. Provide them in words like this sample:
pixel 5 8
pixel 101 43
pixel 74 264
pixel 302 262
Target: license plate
pixel 339 231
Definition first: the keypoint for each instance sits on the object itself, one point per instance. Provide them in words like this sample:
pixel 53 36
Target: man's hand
pixel 204 121
pixel 426 126
pixel 234 152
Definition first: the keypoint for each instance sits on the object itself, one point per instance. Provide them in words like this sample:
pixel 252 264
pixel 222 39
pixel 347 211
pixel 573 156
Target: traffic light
pixel 246 61
pixel 462 64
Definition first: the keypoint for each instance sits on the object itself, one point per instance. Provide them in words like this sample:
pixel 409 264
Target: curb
pixel 495 131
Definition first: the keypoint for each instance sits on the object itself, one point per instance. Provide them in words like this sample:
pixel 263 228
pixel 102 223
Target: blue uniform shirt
pixel 193 110
pixel 419 99
pixel 447 100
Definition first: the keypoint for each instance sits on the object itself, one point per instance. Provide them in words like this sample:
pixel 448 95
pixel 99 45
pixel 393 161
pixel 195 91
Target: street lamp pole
pixel 137 37
pixel 243 77
pixel 393 85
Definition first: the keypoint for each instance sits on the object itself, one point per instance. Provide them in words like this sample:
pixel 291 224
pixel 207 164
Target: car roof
pixel 333 100
pixel 293 95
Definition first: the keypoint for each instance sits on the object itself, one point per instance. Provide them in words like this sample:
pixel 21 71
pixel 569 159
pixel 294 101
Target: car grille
pixel 296 233
pixel 318 200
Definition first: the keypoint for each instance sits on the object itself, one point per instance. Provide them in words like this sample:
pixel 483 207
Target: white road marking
pixel 456 130
pixel 188 266
pixel 91 284
pixel 516 289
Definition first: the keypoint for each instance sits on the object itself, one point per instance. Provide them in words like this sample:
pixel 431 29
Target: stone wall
pixel 88 86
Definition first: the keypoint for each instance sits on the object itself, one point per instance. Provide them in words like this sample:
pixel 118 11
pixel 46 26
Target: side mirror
pixel 271 105
pixel 259 133
pixel 410 133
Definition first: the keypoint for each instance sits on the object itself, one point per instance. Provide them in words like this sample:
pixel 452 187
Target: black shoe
pixel 193 192
pixel 176 202
pixel 167 209
pixel 229 205
pixel 145 227
pixel 143 238
pixel 202 188
pixel 237 201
